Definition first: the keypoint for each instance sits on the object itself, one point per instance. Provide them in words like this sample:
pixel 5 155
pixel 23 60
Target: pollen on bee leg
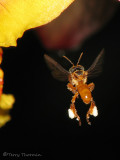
pixel 95 111
pixel 71 113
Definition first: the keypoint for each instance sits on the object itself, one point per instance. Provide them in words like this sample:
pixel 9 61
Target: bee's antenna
pixel 80 58
pixel 68 60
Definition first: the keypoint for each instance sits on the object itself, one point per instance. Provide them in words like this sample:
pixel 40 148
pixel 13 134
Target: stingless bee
pixel 77 78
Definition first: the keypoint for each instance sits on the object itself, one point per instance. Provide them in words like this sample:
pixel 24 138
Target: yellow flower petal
pixel 4 119
pixel 7 101
pixel 16 16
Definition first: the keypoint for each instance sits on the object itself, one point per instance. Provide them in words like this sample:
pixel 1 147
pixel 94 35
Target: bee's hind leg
pixel 73 109
pixel 92 111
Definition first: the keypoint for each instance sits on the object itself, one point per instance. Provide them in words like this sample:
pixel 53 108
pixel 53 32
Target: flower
pixel 16 16
pixel 78 22
pixel 6 103
pixel 4 119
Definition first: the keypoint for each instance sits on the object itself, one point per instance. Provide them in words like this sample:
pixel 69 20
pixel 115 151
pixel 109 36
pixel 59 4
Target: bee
pixel 77 77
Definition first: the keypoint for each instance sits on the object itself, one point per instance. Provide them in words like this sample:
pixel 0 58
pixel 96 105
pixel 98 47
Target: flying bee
pixel 77 77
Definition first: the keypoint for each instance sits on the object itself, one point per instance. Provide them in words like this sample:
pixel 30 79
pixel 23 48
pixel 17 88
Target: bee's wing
pixel 96 68
pixel 57 71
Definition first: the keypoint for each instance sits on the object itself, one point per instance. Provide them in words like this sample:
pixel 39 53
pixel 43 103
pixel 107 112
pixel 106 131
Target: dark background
pixel 40 122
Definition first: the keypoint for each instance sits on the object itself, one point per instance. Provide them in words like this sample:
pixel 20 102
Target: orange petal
pixel 16 16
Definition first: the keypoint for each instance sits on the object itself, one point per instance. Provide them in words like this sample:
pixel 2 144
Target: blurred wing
pixel 57 71
pixel 96 68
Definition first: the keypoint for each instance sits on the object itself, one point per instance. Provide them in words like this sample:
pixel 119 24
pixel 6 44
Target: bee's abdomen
pixel 85 94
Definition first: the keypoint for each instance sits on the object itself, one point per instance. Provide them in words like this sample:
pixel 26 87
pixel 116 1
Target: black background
pixel 40 122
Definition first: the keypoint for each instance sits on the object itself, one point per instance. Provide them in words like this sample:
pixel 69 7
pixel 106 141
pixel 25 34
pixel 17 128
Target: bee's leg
pixel 74 97
pixel 72 107
pixel 71 88
pixel 91 86
pixel 92 111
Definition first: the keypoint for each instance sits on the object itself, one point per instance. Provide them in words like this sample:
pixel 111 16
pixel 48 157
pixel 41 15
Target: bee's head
pixel 77 70
pixel 76 73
